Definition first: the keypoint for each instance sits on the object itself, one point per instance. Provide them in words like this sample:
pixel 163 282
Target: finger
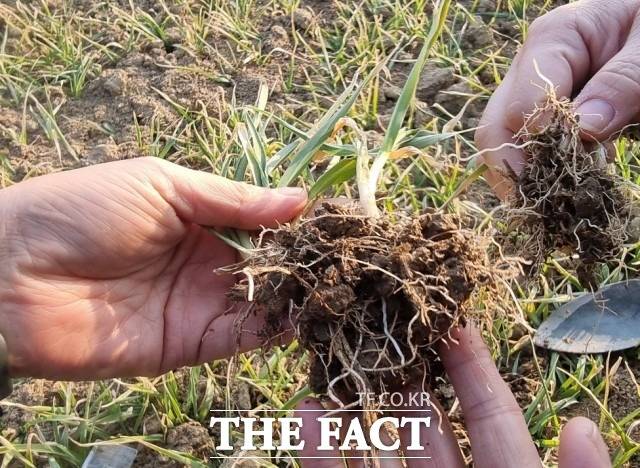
pixel 209 200
pixel 389 458
pixel 499 160
pixel 227 334
pixel 581 446
pixel 383 451
pixel 497 429
pixel 568 44
pixel 604 152
pixel 356 458
pixel 611 98
pixel 441 448
pixel 556 49
pixel 309 410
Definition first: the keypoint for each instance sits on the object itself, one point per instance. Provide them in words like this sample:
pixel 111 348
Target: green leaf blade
pixel 342 172
pixel 410 87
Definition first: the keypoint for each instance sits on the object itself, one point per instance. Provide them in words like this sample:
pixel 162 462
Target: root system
pixel 565 198
pixel 369 297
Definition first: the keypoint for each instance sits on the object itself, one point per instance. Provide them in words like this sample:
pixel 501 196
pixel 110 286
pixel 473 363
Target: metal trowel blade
pixel 110 456
pixel 607 320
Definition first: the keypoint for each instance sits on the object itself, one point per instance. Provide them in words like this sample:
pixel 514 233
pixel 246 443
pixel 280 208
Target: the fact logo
pixel 346 433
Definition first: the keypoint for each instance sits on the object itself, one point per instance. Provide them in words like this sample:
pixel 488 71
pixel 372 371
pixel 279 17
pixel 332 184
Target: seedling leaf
pixel 410 87
pixel 323 129
pixel 342 172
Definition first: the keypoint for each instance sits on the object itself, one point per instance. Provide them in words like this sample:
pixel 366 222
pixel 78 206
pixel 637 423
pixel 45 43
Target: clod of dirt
pixel 275 40
pixel 303 18
pixel 486 6
pixel 434 79
pixel 369 297
pixel 478 35
pixel 28 392
pixel 19 421
pixel 190 438
pixel 173 36
pixel 454 98
pixel 391 91
pixel 565 198
pixel 241 396
pixel 115 83
pixel 102 154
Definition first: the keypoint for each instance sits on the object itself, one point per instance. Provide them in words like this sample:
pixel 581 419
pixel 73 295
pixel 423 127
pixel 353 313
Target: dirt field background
pixel 86 82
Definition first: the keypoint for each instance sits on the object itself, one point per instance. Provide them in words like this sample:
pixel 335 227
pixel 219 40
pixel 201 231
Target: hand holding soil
pixel 140 267
pixel 497 431
pixel 587 49
pixel 110 274
pixel 107 271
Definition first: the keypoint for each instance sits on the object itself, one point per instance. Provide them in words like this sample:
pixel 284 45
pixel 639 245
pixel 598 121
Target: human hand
pixel 587 49
pixel 106 271
pixel 495 425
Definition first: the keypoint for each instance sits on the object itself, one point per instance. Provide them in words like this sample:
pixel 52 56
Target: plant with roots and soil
pixel 367 293
pixel 565 198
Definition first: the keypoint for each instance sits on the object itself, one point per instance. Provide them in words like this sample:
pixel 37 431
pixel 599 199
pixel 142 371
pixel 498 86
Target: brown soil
pixel 118 114
pixel 189 438
pixel 565 198
pixel 99 124
pixel 15 421
pixel 624 395
pixel 370 297
pixel 133 96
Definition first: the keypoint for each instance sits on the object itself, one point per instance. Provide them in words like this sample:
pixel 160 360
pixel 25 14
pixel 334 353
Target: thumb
pixel 210 200
pixel 611 98
pixel 581 445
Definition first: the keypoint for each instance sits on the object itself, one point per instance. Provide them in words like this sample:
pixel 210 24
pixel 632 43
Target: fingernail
pixel 596 439
pixel 592 430
pixel 296 192
pixel 595 115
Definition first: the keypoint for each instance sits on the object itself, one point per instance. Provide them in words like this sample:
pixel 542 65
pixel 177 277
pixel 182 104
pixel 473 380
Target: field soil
pixel 150 98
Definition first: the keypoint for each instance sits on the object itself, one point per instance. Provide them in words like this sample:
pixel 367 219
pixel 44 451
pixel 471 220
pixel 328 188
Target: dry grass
pixel 84 82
